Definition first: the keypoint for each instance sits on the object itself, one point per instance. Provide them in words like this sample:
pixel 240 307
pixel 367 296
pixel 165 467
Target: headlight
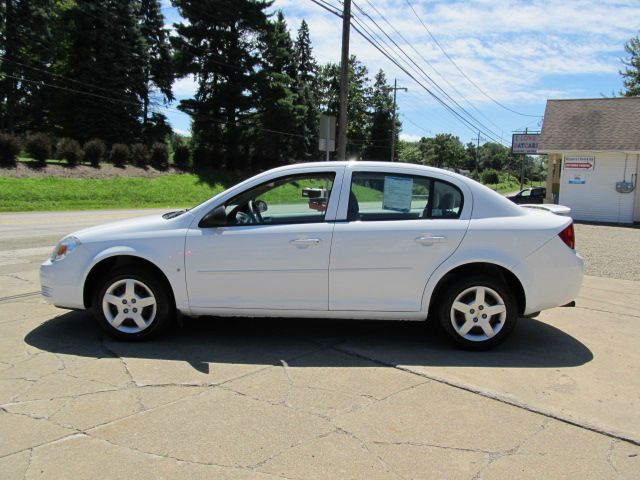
pixel 64 248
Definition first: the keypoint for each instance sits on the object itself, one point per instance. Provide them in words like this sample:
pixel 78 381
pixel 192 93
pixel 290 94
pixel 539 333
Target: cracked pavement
pixel 305 399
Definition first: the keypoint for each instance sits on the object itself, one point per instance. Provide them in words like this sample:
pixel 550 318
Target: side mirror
pixel 215 218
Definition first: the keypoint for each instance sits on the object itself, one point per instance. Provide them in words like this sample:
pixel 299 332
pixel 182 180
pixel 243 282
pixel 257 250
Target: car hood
pixel 133 228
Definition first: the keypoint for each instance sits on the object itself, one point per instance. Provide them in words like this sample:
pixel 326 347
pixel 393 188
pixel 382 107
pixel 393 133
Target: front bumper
pixel 59 286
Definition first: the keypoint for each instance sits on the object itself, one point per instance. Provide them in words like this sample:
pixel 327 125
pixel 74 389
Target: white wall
pixel 597 200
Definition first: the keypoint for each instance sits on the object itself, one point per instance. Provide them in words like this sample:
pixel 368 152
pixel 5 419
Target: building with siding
pixel 593 148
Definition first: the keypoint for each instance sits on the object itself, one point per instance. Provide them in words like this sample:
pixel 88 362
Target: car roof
pixel 372 163
pixel 486 202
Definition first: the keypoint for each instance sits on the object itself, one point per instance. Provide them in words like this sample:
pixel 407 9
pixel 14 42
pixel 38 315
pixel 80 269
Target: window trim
pixel 329 173
pixel 432 181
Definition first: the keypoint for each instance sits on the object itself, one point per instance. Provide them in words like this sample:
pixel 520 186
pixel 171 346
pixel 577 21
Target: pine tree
pixel 278 102
pixel 217 44
pixel 105 62
pixel 379 147
pixel 357 107
pixel 157 64
pixel 631 73
pixel 26 33
pixel 305 146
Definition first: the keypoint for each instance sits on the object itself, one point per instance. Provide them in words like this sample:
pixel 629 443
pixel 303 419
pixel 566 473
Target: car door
pixel 276 258
pixel 537 195
pixel 524 196
pixel 396 230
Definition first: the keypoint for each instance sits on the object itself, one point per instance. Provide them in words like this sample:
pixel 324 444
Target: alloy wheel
pixel 129 305
pixel 478 313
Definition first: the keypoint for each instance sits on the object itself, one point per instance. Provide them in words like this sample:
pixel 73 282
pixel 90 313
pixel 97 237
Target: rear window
pixel 385 196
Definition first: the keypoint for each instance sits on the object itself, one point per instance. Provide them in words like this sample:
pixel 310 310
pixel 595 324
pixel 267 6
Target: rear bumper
pixel 551 276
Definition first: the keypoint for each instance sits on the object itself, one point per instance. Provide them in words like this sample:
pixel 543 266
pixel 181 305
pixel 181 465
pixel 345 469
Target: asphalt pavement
pixel 273 398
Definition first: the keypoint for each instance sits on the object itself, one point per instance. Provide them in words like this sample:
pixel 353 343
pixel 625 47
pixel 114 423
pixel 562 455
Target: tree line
pixel 483 162
pixel 104 69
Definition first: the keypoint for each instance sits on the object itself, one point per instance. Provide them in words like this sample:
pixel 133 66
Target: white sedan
pixel 356 240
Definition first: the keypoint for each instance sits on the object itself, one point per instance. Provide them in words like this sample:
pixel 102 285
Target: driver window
pixel 525 193
pixel 286 200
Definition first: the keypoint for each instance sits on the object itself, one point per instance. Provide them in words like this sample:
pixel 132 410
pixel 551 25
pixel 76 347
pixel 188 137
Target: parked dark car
pixel 529 195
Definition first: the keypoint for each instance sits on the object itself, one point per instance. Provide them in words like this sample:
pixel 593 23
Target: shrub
pixel 202 158
pixel 139 155
pixel 119 155
pixel 159 156
pixel 490 177
pixel 38 146
pixel 68 149
pixel 94 151
pixel 182 157
pixel 9 149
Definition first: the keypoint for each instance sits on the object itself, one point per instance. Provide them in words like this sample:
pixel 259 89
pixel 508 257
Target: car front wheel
pixel 132 304
pixel 478 312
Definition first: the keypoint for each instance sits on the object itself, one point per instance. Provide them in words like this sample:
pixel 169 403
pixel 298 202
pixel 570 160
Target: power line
pixel 444 78
pixel 461 71
pixel 404 116
pixel 198 115
pixel 368 35
pixel 428 77
pixel 364 31
pixel 68 79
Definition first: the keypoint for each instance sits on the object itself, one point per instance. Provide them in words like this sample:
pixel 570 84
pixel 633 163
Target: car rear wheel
pixel 478 312
pixel 133 304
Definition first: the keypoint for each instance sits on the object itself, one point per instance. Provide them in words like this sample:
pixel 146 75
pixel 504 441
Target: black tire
pixel 476 338
pixel 163 315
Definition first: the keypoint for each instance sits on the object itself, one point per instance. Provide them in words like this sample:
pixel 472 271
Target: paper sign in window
pixel 397 194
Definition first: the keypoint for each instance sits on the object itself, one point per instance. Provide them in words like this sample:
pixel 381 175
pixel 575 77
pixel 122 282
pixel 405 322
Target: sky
pixel 495 63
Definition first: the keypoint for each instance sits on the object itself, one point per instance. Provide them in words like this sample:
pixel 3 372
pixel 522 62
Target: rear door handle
pixel 429 240
pixel 304 242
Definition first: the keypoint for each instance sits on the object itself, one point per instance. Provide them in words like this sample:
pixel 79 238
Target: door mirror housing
pixel 215 218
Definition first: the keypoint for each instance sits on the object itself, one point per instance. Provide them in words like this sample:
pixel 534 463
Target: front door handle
pixel 304 242
pixel 429 240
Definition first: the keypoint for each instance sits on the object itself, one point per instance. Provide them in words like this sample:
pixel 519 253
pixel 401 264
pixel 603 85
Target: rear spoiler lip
pixel 549 207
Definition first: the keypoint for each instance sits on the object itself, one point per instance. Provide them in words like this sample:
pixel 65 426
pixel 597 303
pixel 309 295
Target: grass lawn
pixel 55 193
pixel 509 183
pixel 42 193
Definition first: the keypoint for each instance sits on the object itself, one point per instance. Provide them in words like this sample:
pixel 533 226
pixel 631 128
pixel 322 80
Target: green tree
pixel 26 52
pixel 277 99
pixel 493 156
pixel 157 61
pixel 305 145
pixel 409 152
pixel 217 43
pixel 379 146
pixel 445 150
pixel 358 105
pixel 631 73
pixel 104 61
pixel 471 163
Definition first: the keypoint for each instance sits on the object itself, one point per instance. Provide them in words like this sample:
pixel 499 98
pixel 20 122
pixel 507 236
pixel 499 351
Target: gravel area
pixel 609 251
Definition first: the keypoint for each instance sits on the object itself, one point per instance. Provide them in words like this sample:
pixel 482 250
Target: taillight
pixel 568 236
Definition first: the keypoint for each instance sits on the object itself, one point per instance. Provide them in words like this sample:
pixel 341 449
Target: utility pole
pixel 344 82
pixel 478 154
pixel 524 157
pixel 393 126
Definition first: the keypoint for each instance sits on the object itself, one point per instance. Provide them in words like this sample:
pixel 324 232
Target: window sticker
pixel 397 194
